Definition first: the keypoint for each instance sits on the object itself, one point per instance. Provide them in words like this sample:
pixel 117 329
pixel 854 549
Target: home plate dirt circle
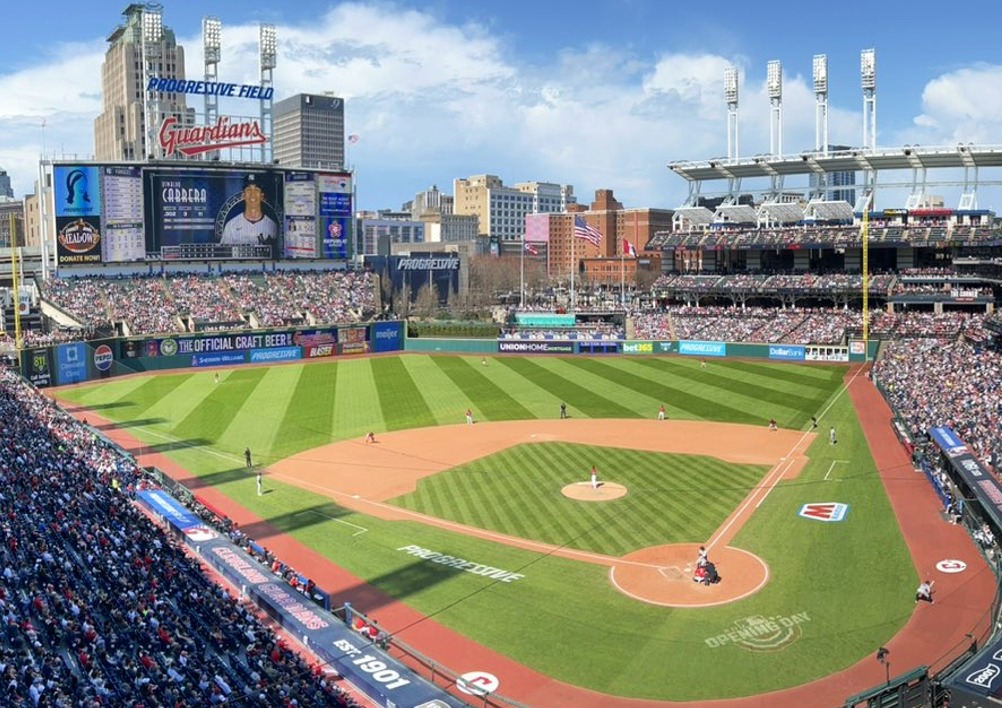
pixel 583 491
pixel 662 575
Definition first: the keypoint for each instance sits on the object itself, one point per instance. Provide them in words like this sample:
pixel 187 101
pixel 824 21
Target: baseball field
pixel 494 531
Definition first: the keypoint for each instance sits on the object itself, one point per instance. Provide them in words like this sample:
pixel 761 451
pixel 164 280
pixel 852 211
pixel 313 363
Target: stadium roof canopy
pixel 903 158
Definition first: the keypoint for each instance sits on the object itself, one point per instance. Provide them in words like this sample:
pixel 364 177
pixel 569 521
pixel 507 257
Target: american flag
pixel 582 229
pixel 629 249
pixel 353 138
pixel 530 249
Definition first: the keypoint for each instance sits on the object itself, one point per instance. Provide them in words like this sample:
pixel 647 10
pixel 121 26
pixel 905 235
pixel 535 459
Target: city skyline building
pixel 501 210
pixel 121 130
pixel 309 131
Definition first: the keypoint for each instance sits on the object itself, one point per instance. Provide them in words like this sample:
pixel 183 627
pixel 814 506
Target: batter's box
pixel 672 572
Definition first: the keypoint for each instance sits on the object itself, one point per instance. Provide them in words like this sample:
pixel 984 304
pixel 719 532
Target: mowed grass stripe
pixel 493 402
pixel 719 384
pixel 446 401
pixel 805 375
pixel 758 403
pixel 213 415
pixel 356 399
pixel 309 416
pixel 399 397
pixel 678 398
pixel 580 397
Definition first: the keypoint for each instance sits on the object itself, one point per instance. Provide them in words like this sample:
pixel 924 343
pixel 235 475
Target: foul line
pixel 832 466
pixel 772 479
pixel 361 529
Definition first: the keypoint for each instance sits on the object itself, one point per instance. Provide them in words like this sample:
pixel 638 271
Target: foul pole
pixel 865 233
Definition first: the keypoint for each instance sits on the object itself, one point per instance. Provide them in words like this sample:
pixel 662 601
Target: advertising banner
pixel 387 336
pixel 353 340
pixel 514 346
pixel 638 347
pixel 219 343
pixel 335 214
pixel 77 190
pixel 316 351
pixel 785 352
pixel 71 363
pixel 667 347
pixel 241 210
pixel 39 366
pixel 695 348
pixel 335 230
pixel 259 356
pixel 220 359
pixel 78 239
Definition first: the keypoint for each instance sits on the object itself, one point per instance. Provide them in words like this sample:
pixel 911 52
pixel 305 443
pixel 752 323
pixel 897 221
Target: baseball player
pixel 260 483
pixel 469 417
pixel 594 477
pixel 661 412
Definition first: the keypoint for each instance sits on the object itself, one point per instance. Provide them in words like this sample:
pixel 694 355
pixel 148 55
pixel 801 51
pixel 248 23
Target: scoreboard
pixel 134 213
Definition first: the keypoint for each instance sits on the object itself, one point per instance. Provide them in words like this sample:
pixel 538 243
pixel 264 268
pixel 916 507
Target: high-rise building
pixel 120 129
pixel 501 210
pixel 6 190
pixel 309 131
pixel 835 186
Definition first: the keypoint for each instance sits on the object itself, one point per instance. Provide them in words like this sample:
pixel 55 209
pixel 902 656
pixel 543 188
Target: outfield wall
pixel 639 347
pixel 76 362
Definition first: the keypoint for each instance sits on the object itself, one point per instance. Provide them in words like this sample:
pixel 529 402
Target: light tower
pixel 821 104
pixel 774 84
pixel 212 48
pixel 868 78
pixel 269 59
pixel 152 46
pixel 731 96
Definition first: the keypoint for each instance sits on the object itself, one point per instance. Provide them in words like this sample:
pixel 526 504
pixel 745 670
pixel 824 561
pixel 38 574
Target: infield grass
pixel 851 580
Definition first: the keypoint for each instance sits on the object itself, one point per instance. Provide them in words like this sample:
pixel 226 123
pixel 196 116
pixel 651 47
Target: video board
pixel 126 213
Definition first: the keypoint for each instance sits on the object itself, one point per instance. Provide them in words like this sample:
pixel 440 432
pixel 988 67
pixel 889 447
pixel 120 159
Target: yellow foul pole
pixel 866 278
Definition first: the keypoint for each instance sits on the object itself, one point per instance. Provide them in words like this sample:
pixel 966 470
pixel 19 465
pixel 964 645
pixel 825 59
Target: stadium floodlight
pixel 153 24
pixel 868 69
pixel 820 73
pixel 269 47
pixel 774 79
pixel 212 38
pixel 731 85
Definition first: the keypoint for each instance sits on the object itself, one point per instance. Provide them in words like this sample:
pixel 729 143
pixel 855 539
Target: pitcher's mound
pixel 582 491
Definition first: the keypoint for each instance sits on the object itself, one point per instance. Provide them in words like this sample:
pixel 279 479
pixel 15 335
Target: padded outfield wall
pixel 76 362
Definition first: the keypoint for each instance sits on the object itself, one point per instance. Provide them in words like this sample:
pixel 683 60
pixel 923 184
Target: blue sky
pixel 598 95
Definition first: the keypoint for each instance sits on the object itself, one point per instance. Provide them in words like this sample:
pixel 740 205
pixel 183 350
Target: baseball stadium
pixel 250 467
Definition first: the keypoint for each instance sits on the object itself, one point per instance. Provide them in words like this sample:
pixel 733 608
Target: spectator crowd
pixel 100 607
pixel 160 304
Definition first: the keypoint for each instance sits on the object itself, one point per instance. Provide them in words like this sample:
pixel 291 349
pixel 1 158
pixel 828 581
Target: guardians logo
pixel 758 633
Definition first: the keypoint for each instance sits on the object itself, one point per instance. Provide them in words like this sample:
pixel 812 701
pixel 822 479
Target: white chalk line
pixel 832 466
pixel 772 479
pixel 361 529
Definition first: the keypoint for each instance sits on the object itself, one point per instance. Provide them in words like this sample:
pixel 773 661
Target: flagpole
pixel 622 275
pixel 573 239
pixel 521 278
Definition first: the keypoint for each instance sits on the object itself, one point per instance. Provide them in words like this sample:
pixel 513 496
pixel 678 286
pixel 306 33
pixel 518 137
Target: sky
pixel 596 95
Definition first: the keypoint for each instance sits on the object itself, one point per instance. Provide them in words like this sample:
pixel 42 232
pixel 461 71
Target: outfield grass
pixel 854 579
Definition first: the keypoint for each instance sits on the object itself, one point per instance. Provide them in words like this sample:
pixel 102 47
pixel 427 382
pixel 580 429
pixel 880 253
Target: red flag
pixel 629 249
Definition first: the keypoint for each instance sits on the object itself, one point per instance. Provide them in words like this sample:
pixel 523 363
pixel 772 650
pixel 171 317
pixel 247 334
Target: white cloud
pixel 964 105
pixel 432 102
